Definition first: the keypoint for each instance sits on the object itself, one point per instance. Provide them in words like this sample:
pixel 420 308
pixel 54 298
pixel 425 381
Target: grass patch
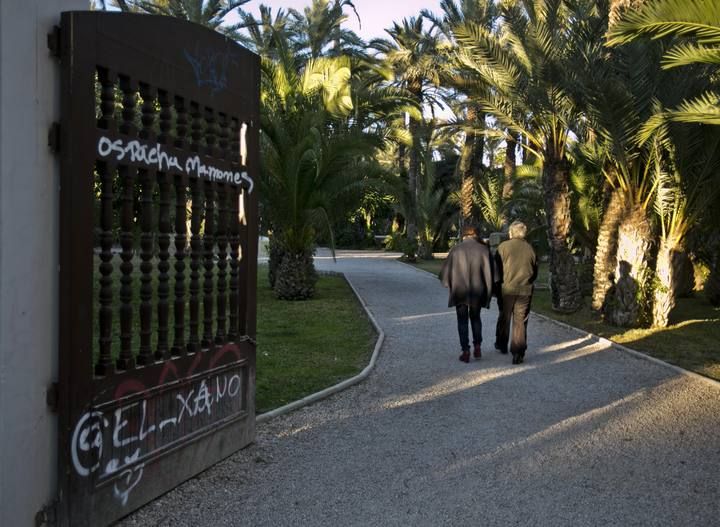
pixel 432 266
pixel 308 345
pixel 690 342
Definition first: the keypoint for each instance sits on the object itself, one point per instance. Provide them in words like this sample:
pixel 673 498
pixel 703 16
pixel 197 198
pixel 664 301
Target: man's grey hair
pixel 517 230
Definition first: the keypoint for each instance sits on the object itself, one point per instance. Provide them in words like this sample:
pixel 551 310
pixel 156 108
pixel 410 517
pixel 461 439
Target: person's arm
pixel 444 274
pixel 534 266
pixel 488 276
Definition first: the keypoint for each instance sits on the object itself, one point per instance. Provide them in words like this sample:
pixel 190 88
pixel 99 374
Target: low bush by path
pixel 689 342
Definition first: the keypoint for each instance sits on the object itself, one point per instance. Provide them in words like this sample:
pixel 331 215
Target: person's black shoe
pixel 520 359
pixel 500 349
pixel 515 359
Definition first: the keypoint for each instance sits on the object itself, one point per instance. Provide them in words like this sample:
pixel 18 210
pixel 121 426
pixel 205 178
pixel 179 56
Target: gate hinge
pixel 54 137
pixel 47 516
pixel 52 397
pixel 53 41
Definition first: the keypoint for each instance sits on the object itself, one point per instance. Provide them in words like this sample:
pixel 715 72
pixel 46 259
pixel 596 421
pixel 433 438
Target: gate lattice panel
pixel 158 244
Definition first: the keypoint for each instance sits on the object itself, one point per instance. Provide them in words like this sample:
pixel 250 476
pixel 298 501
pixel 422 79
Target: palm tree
pixel 314 166
pixel 413 56
pixel 531 63
pixel 685 192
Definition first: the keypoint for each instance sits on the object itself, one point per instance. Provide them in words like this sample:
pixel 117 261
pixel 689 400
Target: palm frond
pixel 698 18
pixel 703 109
pixel 687 53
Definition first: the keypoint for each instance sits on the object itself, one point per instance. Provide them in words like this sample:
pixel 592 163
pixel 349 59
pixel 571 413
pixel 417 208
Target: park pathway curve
pixel 581 434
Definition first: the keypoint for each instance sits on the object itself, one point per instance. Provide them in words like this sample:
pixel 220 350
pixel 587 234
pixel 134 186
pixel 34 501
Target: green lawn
pixel 690 342
pixel 306 346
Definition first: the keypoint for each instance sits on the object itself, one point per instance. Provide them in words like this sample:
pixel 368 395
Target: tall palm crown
pixel 262 34
pixel 319 30
pixel 458 12
pixel 527 61
pixel 413 53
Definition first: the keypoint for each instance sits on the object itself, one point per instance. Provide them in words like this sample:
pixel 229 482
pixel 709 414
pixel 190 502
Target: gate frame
pixel 76 270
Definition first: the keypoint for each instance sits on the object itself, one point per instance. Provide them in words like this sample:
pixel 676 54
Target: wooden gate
pixel 158 249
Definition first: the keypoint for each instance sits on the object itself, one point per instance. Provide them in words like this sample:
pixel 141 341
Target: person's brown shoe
pixel 465 357
pixel 476 352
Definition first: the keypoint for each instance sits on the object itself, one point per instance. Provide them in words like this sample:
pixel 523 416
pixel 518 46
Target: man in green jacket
pixel 516 270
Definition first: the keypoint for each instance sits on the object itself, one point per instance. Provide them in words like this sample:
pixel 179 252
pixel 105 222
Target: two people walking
pixel 472 276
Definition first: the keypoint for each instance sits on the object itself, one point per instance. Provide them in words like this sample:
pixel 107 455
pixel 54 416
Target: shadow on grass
pixel 689 342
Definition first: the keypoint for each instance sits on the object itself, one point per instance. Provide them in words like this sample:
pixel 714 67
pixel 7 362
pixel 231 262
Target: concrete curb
pixel 603 340
pixel 327 392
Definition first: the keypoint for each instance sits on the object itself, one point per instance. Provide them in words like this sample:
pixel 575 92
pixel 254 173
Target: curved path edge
pixel 635 353
pixel 342 385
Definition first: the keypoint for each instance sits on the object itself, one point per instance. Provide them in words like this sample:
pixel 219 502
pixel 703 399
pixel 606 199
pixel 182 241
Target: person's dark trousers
pixel 515 309
pixel 466 313
pixel 500 344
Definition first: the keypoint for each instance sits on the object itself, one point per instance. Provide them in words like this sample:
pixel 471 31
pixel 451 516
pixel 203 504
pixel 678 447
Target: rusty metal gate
pixel 158 248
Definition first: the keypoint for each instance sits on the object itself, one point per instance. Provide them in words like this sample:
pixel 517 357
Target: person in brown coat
pixel 468 275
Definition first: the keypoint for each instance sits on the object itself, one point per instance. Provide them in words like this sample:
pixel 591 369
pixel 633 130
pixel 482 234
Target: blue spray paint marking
pixel 210 67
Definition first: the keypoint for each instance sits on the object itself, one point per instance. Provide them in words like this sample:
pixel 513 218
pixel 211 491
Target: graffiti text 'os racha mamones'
pixel 154 156
pixel 116 442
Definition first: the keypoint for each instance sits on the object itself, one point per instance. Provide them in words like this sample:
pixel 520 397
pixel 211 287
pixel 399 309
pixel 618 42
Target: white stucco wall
pixel 29 103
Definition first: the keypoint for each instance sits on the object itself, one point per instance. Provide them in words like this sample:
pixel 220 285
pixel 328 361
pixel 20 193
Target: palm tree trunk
pixel 618 7
pixel 712 284
pixel 467 185
pixel 508 177
pixel 509 169
pixel 564 283
pixel 466 200
pixel 635 243
pixel 664 295
pixel 478 145
pixel 275 254
pixel 606 252
pixel 413 172
pixel 470 162
pixel 296 276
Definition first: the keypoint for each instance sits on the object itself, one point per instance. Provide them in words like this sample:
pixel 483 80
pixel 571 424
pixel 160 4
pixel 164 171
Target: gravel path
pixel 580 434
